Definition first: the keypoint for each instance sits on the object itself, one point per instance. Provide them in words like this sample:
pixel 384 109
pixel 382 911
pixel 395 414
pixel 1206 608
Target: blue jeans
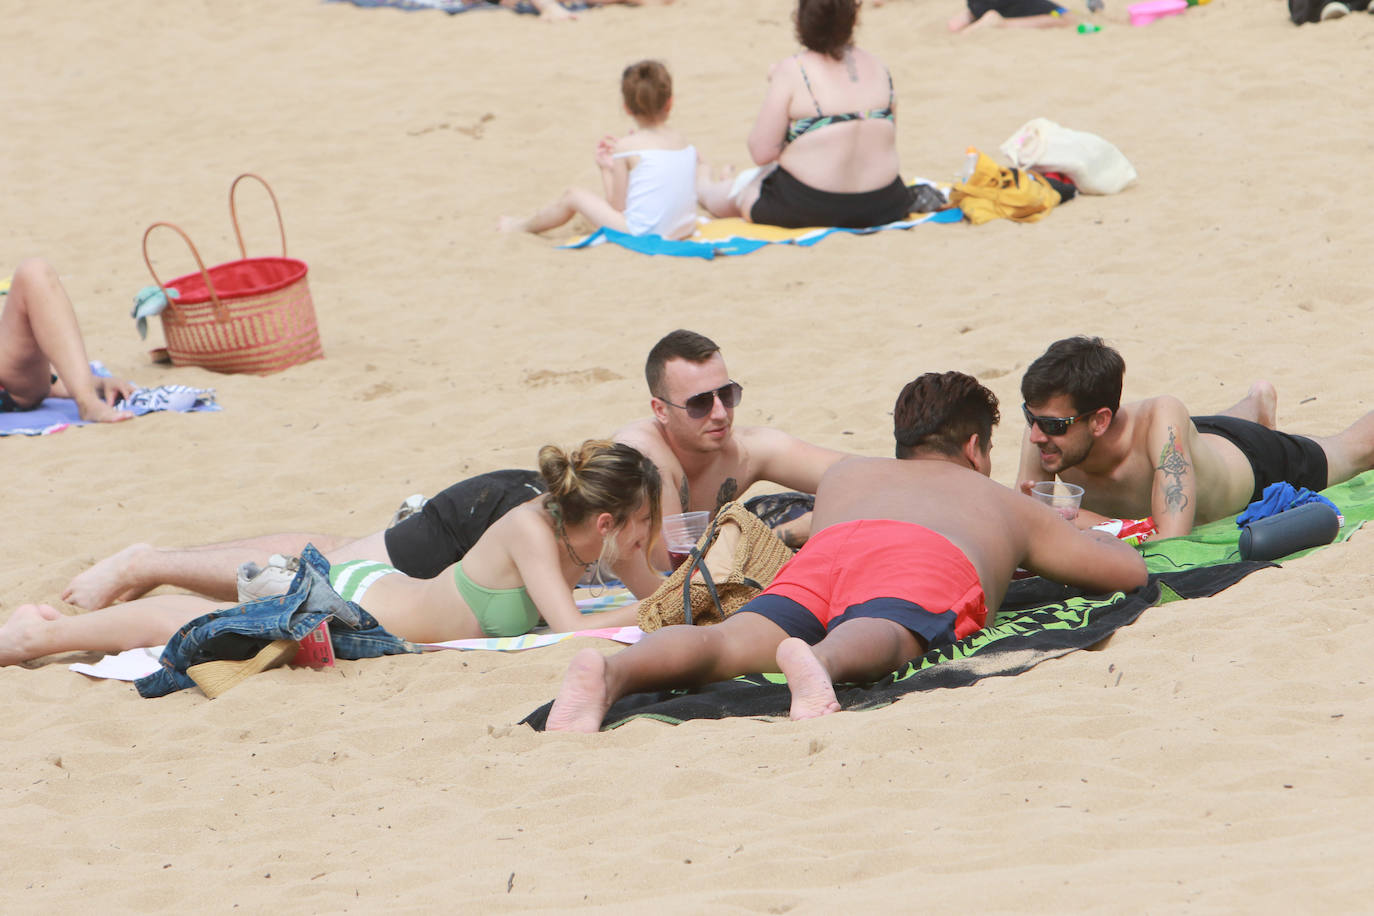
pixel 238 633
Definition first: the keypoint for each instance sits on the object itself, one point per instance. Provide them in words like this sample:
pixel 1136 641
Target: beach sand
pixel 1213 757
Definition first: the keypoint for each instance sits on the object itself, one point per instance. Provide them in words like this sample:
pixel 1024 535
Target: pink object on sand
pixel 1148 12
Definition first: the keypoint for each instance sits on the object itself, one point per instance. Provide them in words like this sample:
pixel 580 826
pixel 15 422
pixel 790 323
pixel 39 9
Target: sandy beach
pixel 1213 757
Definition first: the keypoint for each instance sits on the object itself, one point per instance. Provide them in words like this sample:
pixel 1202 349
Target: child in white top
pixel 648 175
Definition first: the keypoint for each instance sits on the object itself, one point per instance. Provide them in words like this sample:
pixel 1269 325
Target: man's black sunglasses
pixel 700 405
pixel 1053 426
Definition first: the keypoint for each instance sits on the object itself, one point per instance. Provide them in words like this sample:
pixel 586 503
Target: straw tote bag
pixel 735 559
pixel 251 315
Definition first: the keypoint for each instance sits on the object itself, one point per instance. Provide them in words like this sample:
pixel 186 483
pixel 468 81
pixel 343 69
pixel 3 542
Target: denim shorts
pixel 239 632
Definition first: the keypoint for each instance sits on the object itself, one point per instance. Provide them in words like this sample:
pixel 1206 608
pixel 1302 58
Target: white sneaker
pixel 413 504
pixel 1334 10
pixel 256 582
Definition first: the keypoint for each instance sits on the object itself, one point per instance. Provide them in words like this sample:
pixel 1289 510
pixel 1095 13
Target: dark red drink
pixel 677 559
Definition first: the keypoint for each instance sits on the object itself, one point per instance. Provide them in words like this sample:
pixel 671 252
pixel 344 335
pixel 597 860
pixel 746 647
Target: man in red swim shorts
pixel 908 553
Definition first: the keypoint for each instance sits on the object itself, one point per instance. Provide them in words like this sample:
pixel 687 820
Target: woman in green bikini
pixel 602 501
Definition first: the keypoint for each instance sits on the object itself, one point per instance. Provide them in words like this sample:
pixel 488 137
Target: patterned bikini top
pixel 802 125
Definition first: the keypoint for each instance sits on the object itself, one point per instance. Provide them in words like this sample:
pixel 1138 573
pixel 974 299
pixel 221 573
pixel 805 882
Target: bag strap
pixel 696 561
pixel 221 312
pixel 234 213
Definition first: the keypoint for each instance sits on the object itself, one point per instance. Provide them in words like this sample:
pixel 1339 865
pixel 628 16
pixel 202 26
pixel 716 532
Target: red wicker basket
pixel 251 315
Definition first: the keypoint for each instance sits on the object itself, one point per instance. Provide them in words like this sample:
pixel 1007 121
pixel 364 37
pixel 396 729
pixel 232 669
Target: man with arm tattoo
pixel 1151 458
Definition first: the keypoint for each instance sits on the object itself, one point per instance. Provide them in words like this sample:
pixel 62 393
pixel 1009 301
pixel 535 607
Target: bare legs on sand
pixel 39 335
pixel 572 202
pixel 36 630
pixel 210 570
pixel 685 656
pixel 1348 453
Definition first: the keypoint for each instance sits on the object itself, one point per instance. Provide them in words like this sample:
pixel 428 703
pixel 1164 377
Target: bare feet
pixel 16 644
pixel 1266 401
pixel 112 579
pixel 1260 405
pixel 510 224
pixel 813 695
pixel 582 701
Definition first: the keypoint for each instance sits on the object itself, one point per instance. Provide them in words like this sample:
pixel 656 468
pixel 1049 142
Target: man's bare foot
pixel 582 701
pixel 1266 401
pixel 112 579
pixel 813 695
pixel 1260 405
pixel 510 224
pixel 16 645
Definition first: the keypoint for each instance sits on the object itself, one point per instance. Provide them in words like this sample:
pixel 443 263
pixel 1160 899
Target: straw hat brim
pixel 214 678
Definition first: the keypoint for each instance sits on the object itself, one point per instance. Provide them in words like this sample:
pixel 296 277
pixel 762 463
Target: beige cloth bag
pixel 1094 164
pixel 735 559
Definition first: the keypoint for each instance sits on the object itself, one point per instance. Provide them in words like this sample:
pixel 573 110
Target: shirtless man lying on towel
pixel 1150 458
pixel 909 554
pixel 702 458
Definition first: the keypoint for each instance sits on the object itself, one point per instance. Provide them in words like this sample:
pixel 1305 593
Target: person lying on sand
pixel 702 458
pixel 648 176
pixel 602 502
pixel 42 354
pixel 1150 458
pixel 909 554
pixel 1015 14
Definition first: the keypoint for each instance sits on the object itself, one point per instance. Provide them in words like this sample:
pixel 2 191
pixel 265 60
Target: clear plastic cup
pixel 681 533
pixel 1063 498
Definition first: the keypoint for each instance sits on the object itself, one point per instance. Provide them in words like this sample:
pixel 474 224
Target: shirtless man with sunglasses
pixel 702 459
pixel 1150 458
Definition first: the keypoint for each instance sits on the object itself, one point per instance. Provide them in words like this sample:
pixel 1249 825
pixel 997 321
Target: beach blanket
pixel 453 7
pixel 53 415
pixel 737 236
pixel 1039 620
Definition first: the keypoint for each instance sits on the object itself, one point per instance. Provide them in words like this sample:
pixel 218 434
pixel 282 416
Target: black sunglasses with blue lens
pixel 1053 426
pixel 700 405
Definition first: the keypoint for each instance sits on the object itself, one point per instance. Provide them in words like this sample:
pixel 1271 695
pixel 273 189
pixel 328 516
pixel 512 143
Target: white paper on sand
pixel 129 665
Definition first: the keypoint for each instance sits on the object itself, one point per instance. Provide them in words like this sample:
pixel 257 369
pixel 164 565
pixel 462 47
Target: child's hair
pixel 647 89
pixel 599 476
pixel 826 26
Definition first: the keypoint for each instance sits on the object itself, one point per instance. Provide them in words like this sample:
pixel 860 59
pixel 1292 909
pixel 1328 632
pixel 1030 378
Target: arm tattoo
pixel 1175 468
pixel 728 491
pixel 682 494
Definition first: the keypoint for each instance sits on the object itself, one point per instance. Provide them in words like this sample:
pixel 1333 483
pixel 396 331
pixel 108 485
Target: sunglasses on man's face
pixel 1052 426
pixel 701 405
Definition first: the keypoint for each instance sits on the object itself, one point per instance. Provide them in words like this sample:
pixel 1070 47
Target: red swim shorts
pixel 876 568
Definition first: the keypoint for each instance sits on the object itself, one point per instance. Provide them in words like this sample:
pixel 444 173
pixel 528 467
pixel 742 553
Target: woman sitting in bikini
pixel 602 502
pixel 825 138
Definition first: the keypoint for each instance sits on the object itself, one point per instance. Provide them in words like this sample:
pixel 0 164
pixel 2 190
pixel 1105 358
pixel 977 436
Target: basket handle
pixel 221 313
pixel 234 212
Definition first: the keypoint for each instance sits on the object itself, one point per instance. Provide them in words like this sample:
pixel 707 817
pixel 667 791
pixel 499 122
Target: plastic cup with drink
pixel 681 533
pixel 1063 498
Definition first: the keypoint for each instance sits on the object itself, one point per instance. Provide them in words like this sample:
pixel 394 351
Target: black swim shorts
pixel 1273 456
pixel 785 201
pixel 442 532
